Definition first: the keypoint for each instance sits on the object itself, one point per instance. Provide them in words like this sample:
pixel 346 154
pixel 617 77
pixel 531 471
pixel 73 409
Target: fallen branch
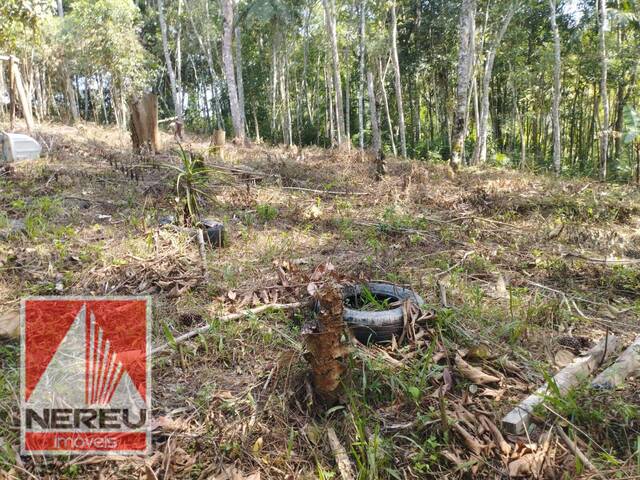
pixel 328 192
pixel 517 420
pixel 627 363
pixel 230 316
pixel 578 453
pixel 606 261
pixel 342 459
pixel 203 254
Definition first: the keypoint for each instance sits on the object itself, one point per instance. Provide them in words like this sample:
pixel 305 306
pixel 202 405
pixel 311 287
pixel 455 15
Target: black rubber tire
pixel 377 327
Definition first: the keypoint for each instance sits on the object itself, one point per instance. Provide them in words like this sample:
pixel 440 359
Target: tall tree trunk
pixel 555 114
pixel 257 125
pixel 347 107
pixel 385 97
pixel 68 86
pixel 361 87
pixel 330 109
pixel 274 84
pixel 398 82
pixel 228 66
pixel 604 138
pixel 179 59
pixel 465 63
pixel 239 77
pixel 3 89
pixel 330 20
pixel 205 47
pixel 376 140
pixel 170 71
pixel 305 64
pixel 480 151
pixel 284 98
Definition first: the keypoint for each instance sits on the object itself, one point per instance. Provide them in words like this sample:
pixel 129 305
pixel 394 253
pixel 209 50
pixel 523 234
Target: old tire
pixel 377 327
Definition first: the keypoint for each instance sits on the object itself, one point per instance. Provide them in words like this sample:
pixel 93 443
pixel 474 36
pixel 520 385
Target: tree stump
pixel 323 340
pixel 218 140
pixel 144 123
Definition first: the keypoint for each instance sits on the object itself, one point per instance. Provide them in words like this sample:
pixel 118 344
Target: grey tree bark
pixel 347 104
pixel 385 98
pixel 68 86
pixel 239 76
pixel 330 20
pixel 205 47
pixel 465 64
pixel 376 141
pixel 398 82
pixel 228 67
pixel 604 136
pixel 170 71
pixel 178 57
pixel 480 151
pixel 287 130
pixel 274 82
pixel 361 87
pixel 555 113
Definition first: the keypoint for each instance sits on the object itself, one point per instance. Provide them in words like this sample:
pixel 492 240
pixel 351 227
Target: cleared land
pixel 525 261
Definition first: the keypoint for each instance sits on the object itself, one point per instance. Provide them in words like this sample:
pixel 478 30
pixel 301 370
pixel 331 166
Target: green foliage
pixel 266 212
pixel 101 37
pixel 190 182
pixel 20 22
pixel 631 125
pixel 369 302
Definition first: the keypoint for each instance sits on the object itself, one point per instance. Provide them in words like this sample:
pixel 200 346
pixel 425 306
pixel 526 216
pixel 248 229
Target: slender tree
pixel 398 80
pixel 239 79
pixel 70 92
pixel 604 136
pixel 376 140
pixel 170 71
pixel 465 64
pixel 330 20
pixel 555 113
pixel 361 64
pixel 480 152
pixel 228 67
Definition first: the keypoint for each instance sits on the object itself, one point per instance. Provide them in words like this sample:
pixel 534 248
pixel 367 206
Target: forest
pixel 334 239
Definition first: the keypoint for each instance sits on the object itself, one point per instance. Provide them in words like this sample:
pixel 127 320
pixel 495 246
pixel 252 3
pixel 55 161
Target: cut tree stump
pixel 518 419
pixel 218 141
pixel 144 123
pixel 627 363
pixel 323 340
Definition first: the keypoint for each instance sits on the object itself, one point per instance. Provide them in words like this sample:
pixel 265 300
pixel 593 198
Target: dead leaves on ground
pixel 481 439
pixel 290 283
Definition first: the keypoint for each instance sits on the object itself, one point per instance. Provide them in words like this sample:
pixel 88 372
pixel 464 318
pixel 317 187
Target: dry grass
pixel 236 398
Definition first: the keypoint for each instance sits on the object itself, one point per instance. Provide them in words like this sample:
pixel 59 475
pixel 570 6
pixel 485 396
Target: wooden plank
pixel 518 419
pixel 627 363
pixel 25 102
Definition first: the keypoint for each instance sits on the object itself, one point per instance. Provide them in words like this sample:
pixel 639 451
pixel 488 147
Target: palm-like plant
pixel 191 180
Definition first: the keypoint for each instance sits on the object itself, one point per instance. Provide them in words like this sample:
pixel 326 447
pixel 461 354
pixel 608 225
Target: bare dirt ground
pixel 525 262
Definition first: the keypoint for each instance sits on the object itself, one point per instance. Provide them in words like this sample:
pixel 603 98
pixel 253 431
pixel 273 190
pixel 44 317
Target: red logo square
pixel 86 375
